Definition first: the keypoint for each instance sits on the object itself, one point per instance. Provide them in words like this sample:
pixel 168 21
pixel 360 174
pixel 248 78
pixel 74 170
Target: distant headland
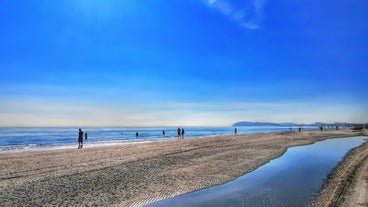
pixel 286 124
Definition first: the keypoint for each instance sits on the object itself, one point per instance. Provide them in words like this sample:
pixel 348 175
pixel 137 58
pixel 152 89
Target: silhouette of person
pixel 163 132
pixel 85 135
pixel 80 139
pixel 136 135
pixel 182 133
pixel 235 131
pixel 179 133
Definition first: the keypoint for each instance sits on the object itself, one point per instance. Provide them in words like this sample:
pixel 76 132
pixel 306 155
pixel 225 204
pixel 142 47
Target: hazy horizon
pixel 182 63
pixel 175 126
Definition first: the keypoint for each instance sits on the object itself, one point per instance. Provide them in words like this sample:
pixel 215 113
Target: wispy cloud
pixel 248 13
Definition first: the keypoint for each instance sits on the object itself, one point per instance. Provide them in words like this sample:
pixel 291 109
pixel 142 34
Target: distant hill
pixel 248 123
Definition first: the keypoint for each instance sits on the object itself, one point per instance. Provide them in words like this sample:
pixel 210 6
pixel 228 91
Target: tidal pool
pixel 290 180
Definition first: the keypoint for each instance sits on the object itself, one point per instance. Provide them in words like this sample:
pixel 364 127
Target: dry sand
pixel 136 174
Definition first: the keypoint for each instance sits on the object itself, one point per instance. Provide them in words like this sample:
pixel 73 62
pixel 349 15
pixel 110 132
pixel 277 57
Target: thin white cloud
pixel 248 13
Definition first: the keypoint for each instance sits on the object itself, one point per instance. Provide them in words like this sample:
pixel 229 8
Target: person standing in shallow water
pixel 80 139
pixel 182 133
pixel 235 131
pixel 179 133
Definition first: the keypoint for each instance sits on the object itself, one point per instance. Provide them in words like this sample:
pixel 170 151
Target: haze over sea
pixel 35 138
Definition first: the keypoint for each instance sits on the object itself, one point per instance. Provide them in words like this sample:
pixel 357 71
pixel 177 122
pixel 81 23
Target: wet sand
pixel 137 174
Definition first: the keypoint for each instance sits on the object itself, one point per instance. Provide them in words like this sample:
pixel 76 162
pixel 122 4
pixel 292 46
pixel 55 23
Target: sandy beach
pixel 140 173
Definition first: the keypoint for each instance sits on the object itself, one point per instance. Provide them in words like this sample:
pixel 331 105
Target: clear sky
pixel 182 63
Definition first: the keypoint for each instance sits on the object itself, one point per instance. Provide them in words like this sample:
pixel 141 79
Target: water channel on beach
pixel 290 180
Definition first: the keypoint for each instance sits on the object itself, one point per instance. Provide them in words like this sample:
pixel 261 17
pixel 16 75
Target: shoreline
pixel 66 146
pixel 62 139
pixel 138 174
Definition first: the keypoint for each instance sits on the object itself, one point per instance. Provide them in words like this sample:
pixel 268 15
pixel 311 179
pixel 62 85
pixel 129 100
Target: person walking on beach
pixel 80 139
pixel 182 133
pixel 179 133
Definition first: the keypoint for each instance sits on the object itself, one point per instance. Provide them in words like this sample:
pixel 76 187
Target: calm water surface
pixel 290 180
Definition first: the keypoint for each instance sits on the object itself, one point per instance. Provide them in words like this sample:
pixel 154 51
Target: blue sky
pixel 186 63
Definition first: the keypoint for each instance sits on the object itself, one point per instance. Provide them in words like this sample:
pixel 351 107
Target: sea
pixel 42 138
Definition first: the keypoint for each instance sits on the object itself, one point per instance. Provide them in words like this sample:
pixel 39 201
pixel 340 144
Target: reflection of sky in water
pixel 290 180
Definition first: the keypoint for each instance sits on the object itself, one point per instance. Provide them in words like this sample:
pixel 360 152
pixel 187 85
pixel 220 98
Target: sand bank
pixel 136 174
